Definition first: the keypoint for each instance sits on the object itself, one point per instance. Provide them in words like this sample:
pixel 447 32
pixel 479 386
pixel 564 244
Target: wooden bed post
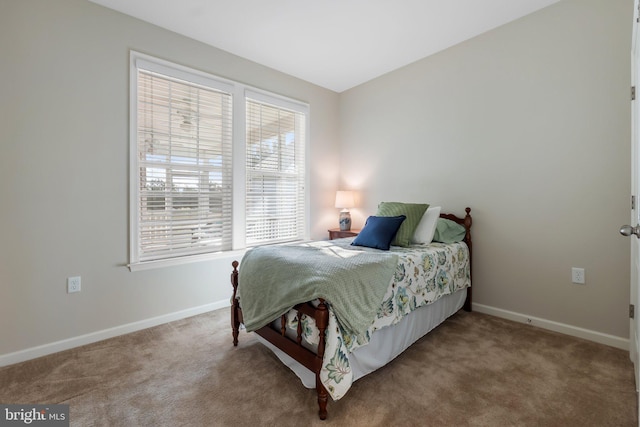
pixel 322 319
pixel 235 306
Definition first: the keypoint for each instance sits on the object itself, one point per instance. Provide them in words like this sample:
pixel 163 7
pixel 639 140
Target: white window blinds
pixel 275 170
pixel 184 142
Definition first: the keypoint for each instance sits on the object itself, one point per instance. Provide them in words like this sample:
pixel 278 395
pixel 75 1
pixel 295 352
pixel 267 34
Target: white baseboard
pixel 43 350
pixel 54 347
pixel 610 340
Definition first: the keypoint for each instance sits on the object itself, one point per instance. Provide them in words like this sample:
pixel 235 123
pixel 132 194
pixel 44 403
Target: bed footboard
pixel 292 346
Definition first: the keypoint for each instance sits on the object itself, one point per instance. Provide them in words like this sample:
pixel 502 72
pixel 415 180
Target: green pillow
pixel 448 231
pixel 413 212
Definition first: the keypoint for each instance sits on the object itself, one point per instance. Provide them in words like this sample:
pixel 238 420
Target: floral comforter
pixel 424 274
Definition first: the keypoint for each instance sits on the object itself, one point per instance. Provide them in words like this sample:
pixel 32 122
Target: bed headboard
pixel 466 223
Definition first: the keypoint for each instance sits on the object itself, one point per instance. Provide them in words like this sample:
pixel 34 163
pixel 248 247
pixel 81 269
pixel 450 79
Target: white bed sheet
pixel 387 343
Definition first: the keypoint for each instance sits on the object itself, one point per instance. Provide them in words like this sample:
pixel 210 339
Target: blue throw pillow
pixel 379 231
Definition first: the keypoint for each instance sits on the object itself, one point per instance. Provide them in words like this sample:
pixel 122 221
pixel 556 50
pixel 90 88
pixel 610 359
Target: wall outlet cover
pixel 73 284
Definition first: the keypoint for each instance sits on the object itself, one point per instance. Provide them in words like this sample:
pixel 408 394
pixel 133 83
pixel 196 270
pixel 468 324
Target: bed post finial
pixel 467 222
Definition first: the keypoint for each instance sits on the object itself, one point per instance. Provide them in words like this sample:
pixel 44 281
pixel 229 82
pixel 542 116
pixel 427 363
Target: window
pixel 275 196
pixel 183 165
pixel 214 166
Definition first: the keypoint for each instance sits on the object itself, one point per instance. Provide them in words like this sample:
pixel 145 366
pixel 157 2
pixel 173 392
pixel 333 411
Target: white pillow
pixel 427 225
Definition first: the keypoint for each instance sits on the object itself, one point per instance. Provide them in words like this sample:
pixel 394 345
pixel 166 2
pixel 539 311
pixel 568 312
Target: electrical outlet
pixel 73 284
pixel 577 275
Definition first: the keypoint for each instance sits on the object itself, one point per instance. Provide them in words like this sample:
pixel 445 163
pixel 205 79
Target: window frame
pixel 240 92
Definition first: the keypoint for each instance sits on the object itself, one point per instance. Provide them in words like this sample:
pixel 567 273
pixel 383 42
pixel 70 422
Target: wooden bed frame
pixel 293 347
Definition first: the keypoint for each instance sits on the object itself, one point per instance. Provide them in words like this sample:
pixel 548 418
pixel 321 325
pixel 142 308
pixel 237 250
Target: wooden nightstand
pixel 336 233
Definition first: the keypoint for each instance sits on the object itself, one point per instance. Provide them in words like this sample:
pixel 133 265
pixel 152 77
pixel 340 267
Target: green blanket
pixel 272 279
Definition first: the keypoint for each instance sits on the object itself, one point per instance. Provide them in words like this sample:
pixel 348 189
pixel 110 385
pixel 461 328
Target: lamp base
pixel 345 221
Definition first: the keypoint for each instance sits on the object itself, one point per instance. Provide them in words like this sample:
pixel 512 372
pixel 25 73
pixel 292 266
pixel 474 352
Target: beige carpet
pixel 474 370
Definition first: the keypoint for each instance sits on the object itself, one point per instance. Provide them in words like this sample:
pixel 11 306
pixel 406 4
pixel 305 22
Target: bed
pixel 429 283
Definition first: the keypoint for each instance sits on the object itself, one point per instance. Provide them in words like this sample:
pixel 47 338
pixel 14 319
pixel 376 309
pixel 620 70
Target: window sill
pixel 170 262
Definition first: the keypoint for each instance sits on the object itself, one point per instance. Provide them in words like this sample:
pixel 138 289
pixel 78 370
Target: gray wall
pixel 529 125
pixel 64 170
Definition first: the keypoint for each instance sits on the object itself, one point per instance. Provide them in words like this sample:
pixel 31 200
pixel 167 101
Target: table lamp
pixel 344 200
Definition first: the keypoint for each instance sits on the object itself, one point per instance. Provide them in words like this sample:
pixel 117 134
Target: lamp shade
pixel 344 199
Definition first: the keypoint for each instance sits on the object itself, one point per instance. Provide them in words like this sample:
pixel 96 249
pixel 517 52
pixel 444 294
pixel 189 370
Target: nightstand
pixel 336 233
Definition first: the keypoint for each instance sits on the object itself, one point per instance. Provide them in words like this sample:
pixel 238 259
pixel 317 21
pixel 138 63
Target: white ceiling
pixel 336 44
